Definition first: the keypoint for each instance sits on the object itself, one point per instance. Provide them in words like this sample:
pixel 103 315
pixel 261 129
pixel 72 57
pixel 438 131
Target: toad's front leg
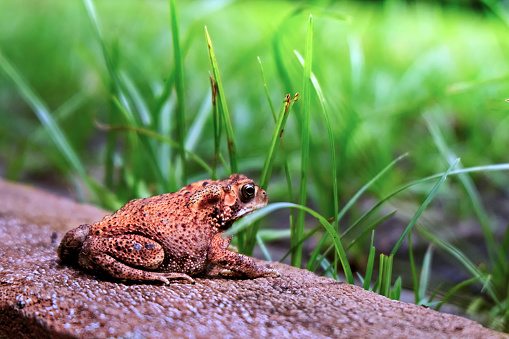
pixel 127 257
pixel 219 255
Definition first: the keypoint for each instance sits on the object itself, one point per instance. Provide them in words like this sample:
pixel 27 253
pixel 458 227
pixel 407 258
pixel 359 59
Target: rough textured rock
pixel 41 298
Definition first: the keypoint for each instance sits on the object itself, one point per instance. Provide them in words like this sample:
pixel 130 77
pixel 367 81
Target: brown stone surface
pixel 41 298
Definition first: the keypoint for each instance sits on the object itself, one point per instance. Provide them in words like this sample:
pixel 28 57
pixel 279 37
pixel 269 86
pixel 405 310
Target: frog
pixel 170 237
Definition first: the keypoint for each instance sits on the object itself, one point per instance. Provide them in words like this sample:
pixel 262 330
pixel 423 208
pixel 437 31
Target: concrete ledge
pixel 41 298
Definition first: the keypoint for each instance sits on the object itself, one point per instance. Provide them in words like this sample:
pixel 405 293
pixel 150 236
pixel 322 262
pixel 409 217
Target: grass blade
pixel 330 133
pixel 385 274
pixel 249 219
pixel 462 258
pixel 298 227
pixel 271 106
pixel 43 114
pixel 354 199
pixel 149 152
pixel 179 87
pixel 370 228
pixel 304 238
pixel 157 136
pixel 116 81
pixel 55 133
pixel 497 167
pixel 415 281
pixel 423 206
pixel 469 187
pixel 222 107
pixel 218 123
pixel 264 249
pixel 137 99
pixel 277 135
pixel 316 257
pixel 425 275
pixel 371 261
pixel 458 287
pixel 396 290
pixel 196 129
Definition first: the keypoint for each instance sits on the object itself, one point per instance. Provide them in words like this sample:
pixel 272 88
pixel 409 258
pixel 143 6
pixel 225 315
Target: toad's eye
pixel 247 192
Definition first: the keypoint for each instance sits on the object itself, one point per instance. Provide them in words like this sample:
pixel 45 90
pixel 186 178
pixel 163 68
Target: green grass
pixel 121 100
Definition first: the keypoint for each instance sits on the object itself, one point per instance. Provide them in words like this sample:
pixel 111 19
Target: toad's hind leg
pixel 71 244
pixel 120 256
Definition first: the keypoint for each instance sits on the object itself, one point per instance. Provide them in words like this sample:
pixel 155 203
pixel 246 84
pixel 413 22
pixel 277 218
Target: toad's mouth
pixel 245 211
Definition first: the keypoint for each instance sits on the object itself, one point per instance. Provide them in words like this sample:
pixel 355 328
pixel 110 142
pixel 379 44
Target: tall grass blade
pixel 370 265
pixel 462 258
pixel 14 168
pixel 316 257
pixel 396 290
pixel 413 269
pixel 425 275
pixel 116 82
pixel 264 249
pixel 335 193
pixel 271 106
pixel 55 133
pixel 222 107
pixel 472 193
pixel 298 227
pixel 218 123
pixel 433 295
pixel 179 87
pixel 196 128
pixel 43 114
pixel 149 152
pixel 269 160
pixel 170 80
pixel 458 287
pixel 123 102
pixel 249 219
pixel 154 135
pixel 137 99
pixel 369 229
pixel 354 199
pixel 497 167
pixel 304 238
pixel 385 274
pixel 275 141
pixel 423 206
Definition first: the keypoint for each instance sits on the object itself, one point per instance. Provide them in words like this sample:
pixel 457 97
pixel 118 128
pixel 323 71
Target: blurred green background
pixel 391 73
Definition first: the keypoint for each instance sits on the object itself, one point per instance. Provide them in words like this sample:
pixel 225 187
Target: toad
pixel 170 236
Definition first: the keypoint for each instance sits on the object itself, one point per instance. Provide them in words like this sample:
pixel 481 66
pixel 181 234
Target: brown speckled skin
pixel 170 236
